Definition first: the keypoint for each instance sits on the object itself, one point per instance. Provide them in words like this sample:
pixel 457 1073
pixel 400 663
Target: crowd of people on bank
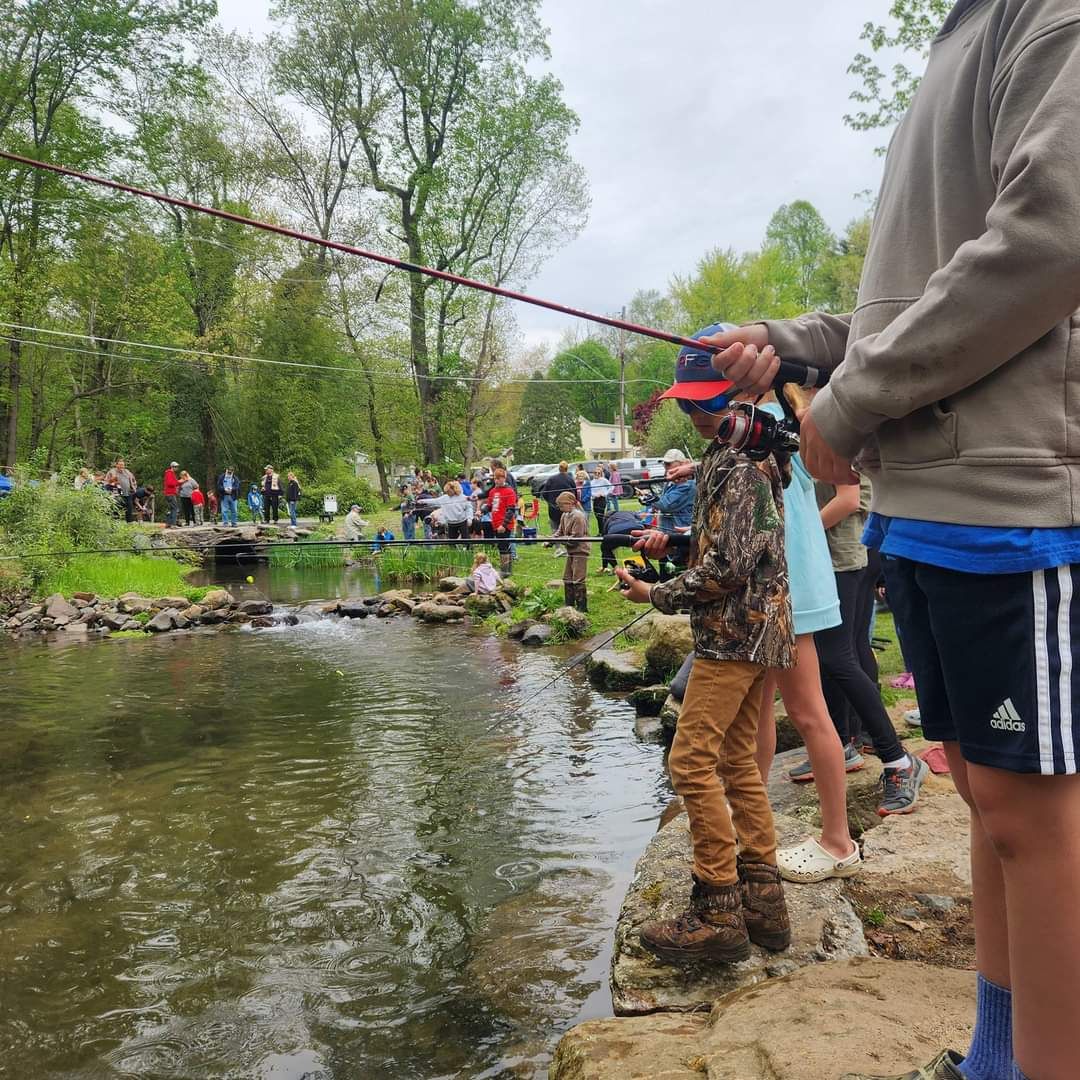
pixel 187 504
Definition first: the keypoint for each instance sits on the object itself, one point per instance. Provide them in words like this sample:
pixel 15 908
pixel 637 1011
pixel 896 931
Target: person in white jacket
pixel 455 510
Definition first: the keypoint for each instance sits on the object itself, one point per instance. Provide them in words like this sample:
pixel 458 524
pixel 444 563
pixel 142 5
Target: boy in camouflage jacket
pixel 736 590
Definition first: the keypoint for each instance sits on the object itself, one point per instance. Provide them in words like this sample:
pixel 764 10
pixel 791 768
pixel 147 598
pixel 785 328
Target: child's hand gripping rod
pixel 789 372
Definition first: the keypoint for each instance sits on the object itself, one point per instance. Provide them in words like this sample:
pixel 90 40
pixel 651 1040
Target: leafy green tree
pixel 670 428
pixel 548 429
pixel 883 99
pixel 843 271
pixel 583 366
pixel 805 243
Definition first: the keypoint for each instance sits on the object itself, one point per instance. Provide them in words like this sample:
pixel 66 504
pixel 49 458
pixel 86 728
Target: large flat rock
pixel 861 1015
pixel 824 927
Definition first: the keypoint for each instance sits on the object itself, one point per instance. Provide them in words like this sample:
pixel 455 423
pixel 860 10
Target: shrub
pixel 53 516
pixel 340 480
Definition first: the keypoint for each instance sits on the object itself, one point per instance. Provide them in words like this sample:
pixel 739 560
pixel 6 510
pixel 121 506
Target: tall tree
pixel 806 243
pixel 548 429
pixel 56 56
pixel 593 377
pixel 884 100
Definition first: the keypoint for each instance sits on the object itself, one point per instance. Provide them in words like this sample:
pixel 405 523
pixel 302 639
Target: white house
pixel 601 442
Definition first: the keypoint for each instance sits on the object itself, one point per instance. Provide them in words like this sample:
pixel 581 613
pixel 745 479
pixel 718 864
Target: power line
pixel 189 351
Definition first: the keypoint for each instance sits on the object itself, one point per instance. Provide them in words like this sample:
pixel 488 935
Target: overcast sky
pixel 698 119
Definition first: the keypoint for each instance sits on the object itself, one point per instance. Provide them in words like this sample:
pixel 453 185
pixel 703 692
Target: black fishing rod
pixel 790 371
pixel 567 668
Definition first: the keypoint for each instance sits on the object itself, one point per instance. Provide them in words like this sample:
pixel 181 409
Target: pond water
pixel 340 850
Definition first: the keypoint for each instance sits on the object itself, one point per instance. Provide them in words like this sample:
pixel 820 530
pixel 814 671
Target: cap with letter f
pixel 695 379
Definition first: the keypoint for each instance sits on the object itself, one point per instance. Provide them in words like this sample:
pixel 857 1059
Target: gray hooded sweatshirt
pixel 959 376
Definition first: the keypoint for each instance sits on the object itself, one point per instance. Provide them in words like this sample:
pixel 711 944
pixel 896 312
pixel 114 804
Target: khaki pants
pixel 712 764
pixel 575 569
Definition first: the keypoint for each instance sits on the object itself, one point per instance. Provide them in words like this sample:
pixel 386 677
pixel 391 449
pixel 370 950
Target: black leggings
pixel 457 530
pixel 845 683
pixel 270 506
pixel 554 516
pixel 599 505
pixel 188 508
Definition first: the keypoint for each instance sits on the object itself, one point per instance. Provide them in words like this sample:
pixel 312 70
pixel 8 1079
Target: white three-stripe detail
pixel 1065 681
pixel 1042 673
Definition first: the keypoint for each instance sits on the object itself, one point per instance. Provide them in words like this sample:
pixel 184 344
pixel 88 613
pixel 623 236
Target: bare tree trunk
pixel 11 406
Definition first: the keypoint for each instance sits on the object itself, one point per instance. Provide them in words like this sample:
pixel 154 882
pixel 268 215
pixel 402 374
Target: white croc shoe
pixel 809 862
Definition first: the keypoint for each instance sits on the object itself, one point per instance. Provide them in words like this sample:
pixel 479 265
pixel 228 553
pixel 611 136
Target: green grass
pixel 112 575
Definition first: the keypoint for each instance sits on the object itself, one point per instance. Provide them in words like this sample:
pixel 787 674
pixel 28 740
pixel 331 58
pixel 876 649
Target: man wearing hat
pixel 170 488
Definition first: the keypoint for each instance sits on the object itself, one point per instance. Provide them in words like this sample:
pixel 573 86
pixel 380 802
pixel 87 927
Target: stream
pixel 332 851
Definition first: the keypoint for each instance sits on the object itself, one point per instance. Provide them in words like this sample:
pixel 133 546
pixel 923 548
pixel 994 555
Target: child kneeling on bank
pixel 736 589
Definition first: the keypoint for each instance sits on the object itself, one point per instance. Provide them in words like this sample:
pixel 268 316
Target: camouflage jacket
pixel 736 588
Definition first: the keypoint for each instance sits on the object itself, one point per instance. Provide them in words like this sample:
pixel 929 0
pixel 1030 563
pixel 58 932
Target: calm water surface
pixel 307 852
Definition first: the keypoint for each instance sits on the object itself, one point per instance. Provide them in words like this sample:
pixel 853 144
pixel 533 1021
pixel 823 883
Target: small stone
pixel 512 589
pixel 61 620
pixel 263 622
pixel 86 597
pixel 537 634
pixel 433 612
pixel 648 728
pixel 909 913
pixel 353 609
pixel 519 629
pixel 194 612
pixel 176 602
pixel 178 620
pixel 132 624
pixel 574 622
pixel 56 606
pixel 77 629
pixel 133 604
pixel 610 669
pixel 331 608
pixel 114 620
pixel 217 598
pixel 648 700
pixel 934 902
pixel 555 584
pixel 213 618
pixel 162 622
pixel 449 584
pixel 481 604
pixel 256 607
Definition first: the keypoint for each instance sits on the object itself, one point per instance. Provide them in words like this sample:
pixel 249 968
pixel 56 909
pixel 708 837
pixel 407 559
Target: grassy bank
pixel 113 575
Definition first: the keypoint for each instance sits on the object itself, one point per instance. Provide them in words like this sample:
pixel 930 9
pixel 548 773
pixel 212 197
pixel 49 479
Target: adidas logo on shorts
pixel 1006 718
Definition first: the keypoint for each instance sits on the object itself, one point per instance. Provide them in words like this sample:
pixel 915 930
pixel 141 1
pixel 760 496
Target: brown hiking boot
pixel 764 908
pixel 712 928
pixel 581 598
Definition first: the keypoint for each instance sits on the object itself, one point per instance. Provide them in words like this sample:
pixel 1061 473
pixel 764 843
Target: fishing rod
pixel 567 668
pixel 790 371
pixel 623 540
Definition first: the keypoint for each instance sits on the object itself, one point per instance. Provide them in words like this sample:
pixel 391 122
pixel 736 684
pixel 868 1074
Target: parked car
pixel 634 469
pixel 523 473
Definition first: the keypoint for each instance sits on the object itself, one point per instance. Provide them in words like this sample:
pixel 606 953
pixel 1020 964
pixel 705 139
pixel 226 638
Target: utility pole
pixel 622 388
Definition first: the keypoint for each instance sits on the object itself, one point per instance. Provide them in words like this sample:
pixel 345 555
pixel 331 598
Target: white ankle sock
pixel 899 763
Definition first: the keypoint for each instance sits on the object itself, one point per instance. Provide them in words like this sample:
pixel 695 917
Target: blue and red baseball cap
pixel 695 379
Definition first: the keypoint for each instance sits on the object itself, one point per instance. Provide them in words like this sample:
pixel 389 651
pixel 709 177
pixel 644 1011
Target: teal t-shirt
pixel 814 603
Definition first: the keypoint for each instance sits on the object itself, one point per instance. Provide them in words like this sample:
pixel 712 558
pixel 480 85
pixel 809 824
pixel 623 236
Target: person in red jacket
pixel 170 488
pixel 501 499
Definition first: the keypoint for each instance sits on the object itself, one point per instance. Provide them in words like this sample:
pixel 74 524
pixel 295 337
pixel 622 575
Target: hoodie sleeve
pixel 1001 291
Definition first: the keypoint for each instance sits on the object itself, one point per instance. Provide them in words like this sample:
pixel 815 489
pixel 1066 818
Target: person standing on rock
pixel 292 496
pixel 574 523
pixel 122 479
pixel 955 384
pixel 170 488
pixel 187 487
pixel 736 590
pixel 254 504
pixel 228 489
pixel 271 494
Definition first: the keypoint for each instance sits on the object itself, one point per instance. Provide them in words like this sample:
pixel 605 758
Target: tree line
pixel 422 128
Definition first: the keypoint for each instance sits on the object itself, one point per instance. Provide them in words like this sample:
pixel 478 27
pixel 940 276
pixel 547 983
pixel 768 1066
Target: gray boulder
pixel 177 602
pixel 537 634
pixel 56 608
pixel 256 607
pixel 213 618
pixel 575 623
pixel 481 604
pixel 216 598
pixel 162 622
pixel 796 1028
pixel 449 584
pixel 610 669
pixel 518 630
pixel 134 604
pixel 824 927
pixel 433 612
pixel 668 641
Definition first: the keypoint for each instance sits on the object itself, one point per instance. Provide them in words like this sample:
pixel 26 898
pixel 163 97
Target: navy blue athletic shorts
pixel 992 656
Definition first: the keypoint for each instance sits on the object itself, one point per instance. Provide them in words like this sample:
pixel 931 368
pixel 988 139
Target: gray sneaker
pixel 900 787
pixel 853 762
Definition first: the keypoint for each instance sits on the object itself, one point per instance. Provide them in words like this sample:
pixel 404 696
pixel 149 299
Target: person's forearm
pixel 842 505
pixel 816 338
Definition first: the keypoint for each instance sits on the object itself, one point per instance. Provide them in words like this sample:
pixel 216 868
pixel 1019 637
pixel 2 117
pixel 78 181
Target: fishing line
pixel 265 545
pixel 788 372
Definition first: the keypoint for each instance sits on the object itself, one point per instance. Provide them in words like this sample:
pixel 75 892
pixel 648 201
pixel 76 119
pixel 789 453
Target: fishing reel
pixel 756 434
pixel 649 572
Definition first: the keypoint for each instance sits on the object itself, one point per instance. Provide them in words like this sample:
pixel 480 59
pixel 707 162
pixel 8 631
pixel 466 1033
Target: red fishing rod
pixel 789 372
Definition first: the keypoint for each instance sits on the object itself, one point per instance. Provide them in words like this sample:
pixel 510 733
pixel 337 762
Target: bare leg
pixel 1033 822
pixel 766 730
pixel 987 885
pixel 800 687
